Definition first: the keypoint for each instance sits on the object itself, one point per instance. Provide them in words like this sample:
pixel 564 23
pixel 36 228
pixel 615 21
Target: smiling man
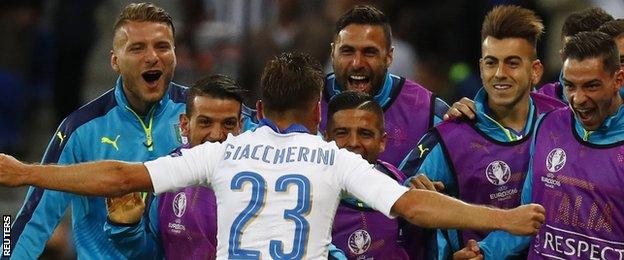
pixel 361 53
pixel 485 161
pixel 576 162
pixel 137 120
pixel 356 123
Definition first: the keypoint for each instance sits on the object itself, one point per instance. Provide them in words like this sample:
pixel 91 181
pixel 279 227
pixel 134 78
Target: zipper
pixel 586 134
pixel 149 143
pixel 510 136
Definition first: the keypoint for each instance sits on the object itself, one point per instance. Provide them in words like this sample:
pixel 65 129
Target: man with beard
pixel 356 123
pixel 485 161
pixel 137 120
pixel 361 53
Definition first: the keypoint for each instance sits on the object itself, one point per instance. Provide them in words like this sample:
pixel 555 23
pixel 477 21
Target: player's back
pixel 277 193
pixel 279 190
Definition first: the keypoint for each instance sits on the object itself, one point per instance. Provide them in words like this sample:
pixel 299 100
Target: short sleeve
pixel 195 166
pixel 362 180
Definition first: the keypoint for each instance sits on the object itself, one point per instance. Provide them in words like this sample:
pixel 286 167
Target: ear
pixel 326 135
pixel 184 124
pixel 113 61
pixel 390 56
pixel 317 113
pixel 619 79
pixel 384 139
pixel 260 109
pixel 537 70
pixel 480 61
pixel 240 126
pixel 331 47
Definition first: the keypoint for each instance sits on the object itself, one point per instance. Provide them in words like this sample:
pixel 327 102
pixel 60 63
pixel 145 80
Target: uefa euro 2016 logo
pixel 498 173
pixel 359 242
pixel 556 160
pixel 179 204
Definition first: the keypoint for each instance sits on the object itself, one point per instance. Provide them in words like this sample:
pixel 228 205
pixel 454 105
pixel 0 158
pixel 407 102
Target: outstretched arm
pixel 103 178
pixel 434 210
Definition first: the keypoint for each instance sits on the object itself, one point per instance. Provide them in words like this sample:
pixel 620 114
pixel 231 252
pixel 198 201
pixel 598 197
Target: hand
pixel 471 251
pixel 126 209
pixel 12 172
pixel 462 109
pixel 421 182
pixel 524 220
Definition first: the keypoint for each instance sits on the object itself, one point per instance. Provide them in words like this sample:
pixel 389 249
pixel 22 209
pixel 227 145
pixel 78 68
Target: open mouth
pixel 359 82
pixel 151 76
pixel 585 114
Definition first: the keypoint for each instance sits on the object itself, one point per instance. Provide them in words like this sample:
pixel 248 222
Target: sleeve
pixel 439 109
pixel 43 209
pixel 194 167
pixel 428 158
pixel 335 253
pixel 444 250
pixel 380 191
pixel 139 241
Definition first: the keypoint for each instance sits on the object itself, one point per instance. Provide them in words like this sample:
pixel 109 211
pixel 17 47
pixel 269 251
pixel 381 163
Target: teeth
pixel 358 77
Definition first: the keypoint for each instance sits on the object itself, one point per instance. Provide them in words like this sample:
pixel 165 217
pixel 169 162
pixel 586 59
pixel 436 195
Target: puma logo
pixel 106 140
pixel 61 137
pixel 422 150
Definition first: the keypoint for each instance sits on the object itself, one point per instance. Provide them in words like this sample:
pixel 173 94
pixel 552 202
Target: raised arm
pixel 103 178
pixel 434 210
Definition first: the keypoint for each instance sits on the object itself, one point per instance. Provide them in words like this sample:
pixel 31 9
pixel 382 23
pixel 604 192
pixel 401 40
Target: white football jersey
pixel 277 193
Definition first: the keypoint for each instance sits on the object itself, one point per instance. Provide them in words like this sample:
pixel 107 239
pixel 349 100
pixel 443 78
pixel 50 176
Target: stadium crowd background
pixel 54 55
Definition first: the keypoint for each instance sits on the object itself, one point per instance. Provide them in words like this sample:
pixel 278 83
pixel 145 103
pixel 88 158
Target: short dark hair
pixel 365 15
pixel 585 20
pixel 613 28
pixel 510 21
pixel 215 86
pixel 291 81
pixel 143 12
pixel 354 100
pixel 587 45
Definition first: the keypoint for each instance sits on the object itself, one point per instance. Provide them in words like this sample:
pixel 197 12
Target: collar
pixel 294 128
pixel 492 127
pixel 610 131
pixel 382 97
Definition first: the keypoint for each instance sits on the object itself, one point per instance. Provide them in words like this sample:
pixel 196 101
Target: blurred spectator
pixel 18 22
pixel 75 33
pixel 297 27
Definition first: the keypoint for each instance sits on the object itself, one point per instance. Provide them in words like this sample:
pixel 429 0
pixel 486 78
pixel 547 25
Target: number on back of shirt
pixel 256 204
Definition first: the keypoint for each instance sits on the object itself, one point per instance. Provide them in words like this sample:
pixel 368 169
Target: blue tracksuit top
pixel 105 128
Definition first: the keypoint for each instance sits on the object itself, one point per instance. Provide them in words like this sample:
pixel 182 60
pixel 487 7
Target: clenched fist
pixel 126 209
pixel 12 172
pixel 524 220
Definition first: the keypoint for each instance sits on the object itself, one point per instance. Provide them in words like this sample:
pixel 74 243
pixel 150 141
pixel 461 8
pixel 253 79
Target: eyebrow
pixel 506 58
pixel 593 81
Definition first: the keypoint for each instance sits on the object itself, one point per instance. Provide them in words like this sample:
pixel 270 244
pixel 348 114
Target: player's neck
pixel 514 116
pixel 285 121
